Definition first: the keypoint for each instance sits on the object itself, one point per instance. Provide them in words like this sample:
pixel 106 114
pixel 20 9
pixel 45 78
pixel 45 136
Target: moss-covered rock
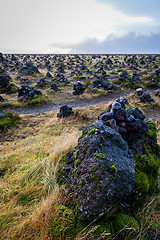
pixel 8 121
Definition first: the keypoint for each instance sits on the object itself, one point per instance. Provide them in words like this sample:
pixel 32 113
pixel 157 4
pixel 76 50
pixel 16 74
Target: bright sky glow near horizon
pixel 80 26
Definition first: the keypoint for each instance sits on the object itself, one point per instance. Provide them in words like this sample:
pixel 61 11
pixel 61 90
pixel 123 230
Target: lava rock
pixel 27 92
pixel 49 75
pixel 54 86
pixel 4 81
pixel 139 91
pixel 42 83
pixel 157 94
pixel 28 69
pixel 102 170
pixel 64 112
pixel 2 70
pixel 135 78
pixel 145 97
pixel 78 88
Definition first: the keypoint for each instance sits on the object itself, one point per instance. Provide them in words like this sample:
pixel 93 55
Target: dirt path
pixel 74 104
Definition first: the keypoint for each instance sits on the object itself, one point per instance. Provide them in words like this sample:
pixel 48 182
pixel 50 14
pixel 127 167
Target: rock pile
pixel 61 78
pixel 42 83
pixel 135 78
pixel 28 69
pixel 6 85
pixel 109 161
pixel 124 76
pixel 2 70
pixel 1 57
pixel 157 94
pixel 26 92
pixel 78 88
pixel 64 112
pixel 103 83
pixel 4 81
pixel 144 96
pixel 54 86
pixel 49 75
pixel 22 79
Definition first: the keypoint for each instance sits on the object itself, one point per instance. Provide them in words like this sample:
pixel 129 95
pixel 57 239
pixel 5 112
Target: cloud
pixel 136 7
pixel 129 43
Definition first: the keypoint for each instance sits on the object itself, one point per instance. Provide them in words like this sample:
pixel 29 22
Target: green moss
pixel 93 177
pixel 152 132
pixel 77 162
pixel 130 106
pixel 62 223
pixel 76 153
pixel 100 155
pixel 8 121
pixel 92 131
pixel 102 227
pixel 142 182
pixel 99 187
pixel 149 165
pixel 50 91
pixel 94 168
pixel 101 146
pixel 112 170
pixel 127 223
pixel 85 148
pixel 81 136
pixel 81 183
pixel 11 88
pixel 102 138
pixel 37 100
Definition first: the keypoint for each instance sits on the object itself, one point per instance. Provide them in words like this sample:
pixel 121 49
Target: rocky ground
pixel 35 135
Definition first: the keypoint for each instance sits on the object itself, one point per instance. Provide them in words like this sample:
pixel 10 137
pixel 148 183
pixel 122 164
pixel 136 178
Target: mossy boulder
pixel 28 68
pixel 100 171
pixel 6 84
pixel 8 120
pixel 113 165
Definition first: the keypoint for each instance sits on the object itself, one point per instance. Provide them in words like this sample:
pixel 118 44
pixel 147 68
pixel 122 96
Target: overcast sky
pixel 80 26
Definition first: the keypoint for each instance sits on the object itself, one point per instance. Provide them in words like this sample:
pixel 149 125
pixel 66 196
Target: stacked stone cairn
pixel 116 158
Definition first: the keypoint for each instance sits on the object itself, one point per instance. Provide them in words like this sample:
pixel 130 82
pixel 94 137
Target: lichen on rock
pixel 116 157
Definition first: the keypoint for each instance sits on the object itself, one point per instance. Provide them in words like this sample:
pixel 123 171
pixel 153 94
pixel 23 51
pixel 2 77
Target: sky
pixel 80 26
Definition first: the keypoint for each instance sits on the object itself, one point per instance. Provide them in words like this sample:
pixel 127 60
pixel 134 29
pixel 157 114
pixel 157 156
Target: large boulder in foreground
pixel 116 160
pixel 101 170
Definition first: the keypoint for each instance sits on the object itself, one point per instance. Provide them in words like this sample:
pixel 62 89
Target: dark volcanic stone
pixel 28 69
pixel 65 111
pixel 4 80
pixel 42 83
pixel 27 92
pixel 102 170
pixel 78 88
pixel 54 86
pixel 145 97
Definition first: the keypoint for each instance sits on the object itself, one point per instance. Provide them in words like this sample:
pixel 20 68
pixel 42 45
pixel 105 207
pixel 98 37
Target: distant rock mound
pixel 28 69
pixel 26 92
